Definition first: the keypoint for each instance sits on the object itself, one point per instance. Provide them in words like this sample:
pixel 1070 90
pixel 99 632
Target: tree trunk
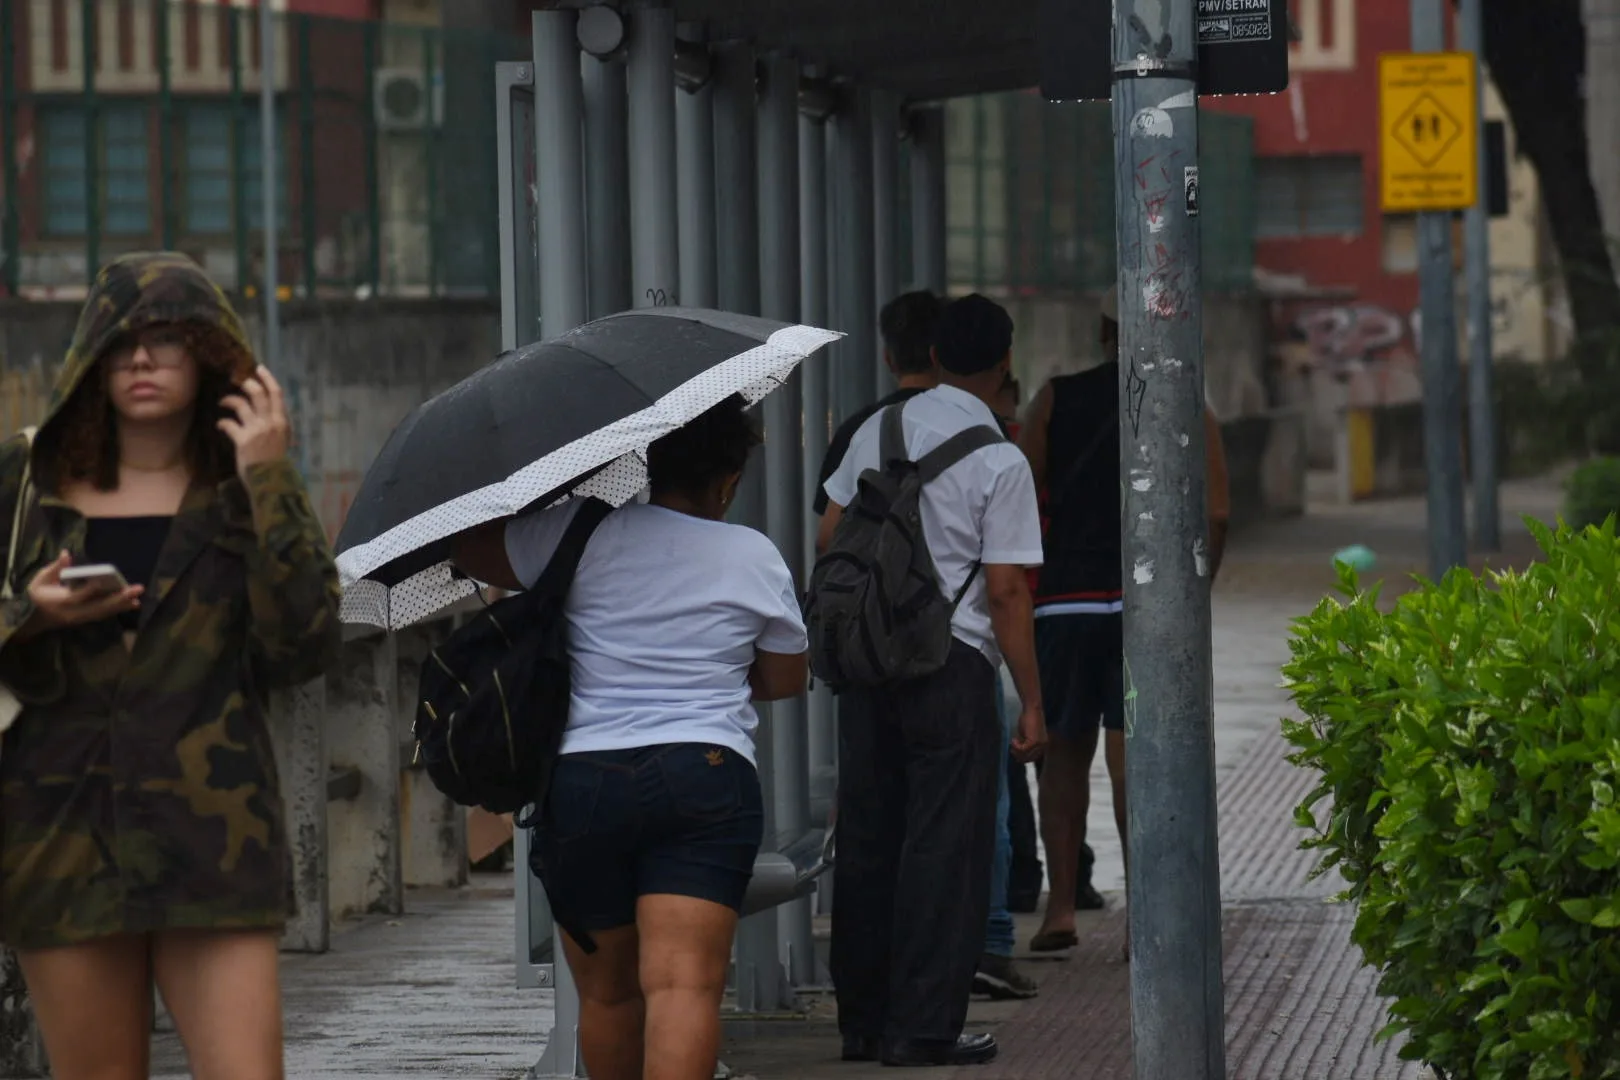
pixel 1536 51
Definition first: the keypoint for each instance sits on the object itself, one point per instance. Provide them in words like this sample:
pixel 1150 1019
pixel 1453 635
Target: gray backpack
pixel 875 611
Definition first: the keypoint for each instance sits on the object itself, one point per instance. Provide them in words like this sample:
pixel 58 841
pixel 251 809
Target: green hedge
pixel 1593 492
pixel 1468 746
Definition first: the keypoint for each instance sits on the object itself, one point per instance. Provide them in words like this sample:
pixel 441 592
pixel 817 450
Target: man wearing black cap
pixel 918 762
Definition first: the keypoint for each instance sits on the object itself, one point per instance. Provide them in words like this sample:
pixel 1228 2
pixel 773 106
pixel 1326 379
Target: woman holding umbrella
pixel 141 836
pixel 677 623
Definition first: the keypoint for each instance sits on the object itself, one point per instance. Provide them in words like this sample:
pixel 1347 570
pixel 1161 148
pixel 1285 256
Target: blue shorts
pixel 682 819
pixel 1082 660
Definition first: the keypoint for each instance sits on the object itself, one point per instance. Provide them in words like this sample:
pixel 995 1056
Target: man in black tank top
pixel 1071 437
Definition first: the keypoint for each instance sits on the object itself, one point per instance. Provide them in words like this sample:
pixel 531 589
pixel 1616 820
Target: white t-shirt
pixel 981 510
pixel 664 618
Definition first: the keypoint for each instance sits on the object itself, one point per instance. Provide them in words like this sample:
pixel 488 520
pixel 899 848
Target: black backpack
pixel 493 700
pixel 875 612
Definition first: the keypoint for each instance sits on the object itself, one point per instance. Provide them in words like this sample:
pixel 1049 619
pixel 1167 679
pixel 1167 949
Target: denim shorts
pixel 681 819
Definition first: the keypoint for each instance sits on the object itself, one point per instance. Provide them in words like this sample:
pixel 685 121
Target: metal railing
pixel 384 129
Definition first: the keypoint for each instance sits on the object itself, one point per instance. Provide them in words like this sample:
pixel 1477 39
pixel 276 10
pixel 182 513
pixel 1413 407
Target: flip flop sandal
pixel 1054 941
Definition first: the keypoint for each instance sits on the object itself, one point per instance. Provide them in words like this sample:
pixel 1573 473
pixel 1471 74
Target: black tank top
pixel 130 543
pixel 1083 496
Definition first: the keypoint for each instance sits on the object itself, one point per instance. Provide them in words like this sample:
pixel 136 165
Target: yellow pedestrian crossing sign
pixel 1430 131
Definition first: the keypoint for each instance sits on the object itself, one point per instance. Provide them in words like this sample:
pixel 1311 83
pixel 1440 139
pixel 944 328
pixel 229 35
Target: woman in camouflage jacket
pixel 141 833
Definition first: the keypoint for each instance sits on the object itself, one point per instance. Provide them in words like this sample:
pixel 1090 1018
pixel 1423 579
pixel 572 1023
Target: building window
pixel 210 207
pixel 123 163
pixel 1309 196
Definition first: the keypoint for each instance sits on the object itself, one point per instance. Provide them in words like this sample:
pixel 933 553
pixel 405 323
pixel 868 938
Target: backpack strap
pixel 954 449
pixel 892 445
pixel 558 576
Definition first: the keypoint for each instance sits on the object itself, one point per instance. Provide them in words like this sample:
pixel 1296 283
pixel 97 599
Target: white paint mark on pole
pixel 1184 440
pixel 1201 557
pixel 1144 572
pixel 1151 123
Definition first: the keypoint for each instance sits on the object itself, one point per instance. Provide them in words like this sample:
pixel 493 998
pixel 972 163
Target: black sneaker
pixel 998 978
pixel 967 1050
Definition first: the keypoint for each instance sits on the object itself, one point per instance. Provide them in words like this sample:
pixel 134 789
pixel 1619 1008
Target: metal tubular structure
pixel 694 156
pixel 1481 396
pixel 760 984
pixel 1176 991
pixel 1442 389
pixel 780 298
pixel 885 219
pixel 654 240
pixel 268 173
pixel 607 198
pixel 816 381
pixel 928 198
pixel 559 183
pixel 854 280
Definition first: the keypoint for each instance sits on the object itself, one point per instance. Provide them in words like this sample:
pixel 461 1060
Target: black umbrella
pixel 573 415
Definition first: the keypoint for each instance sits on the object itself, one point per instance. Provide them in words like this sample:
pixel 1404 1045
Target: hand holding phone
pixel 96 579
pixel 64 595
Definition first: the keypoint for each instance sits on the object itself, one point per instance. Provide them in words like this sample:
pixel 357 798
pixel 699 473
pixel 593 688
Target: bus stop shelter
pixel 746 155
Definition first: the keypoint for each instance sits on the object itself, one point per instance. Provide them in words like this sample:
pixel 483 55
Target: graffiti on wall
pixel 1370 348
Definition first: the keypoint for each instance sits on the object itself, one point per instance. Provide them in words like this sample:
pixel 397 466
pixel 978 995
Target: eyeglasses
pixel 164 348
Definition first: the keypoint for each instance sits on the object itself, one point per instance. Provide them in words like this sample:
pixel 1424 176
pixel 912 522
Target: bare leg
pixel 686 948
pixel 1114 755
pixel 224 990
pixel 1065 799
pixel 612 1011
pixel 101 989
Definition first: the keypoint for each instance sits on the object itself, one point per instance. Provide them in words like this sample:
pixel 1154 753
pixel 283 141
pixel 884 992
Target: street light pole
pixel 268 172
pixel 1177 1015
pixel 1481 398
pixel 1442 390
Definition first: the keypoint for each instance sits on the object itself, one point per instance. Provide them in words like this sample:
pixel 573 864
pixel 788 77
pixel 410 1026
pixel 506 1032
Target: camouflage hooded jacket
pixel 138 787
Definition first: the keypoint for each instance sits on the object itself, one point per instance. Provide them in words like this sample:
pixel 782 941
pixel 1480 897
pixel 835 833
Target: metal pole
pixel 928 198
pixel 655 247
pixel 1481 398
pixel 694 155
pixel 607 198
pixel 885 219
pixel 760 983
pixel 559 180
pixel 817 378
pixel 161 15
pixel 267 183
pixel 1174 872
pixel 92 140
pixel 1442 390
pixel 780 298
pixel 854 288
pixel 11 223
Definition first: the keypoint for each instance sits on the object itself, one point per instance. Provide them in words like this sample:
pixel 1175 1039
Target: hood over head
pixel 142 289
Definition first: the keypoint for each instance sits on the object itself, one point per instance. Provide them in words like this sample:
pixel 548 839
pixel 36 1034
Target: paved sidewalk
pixel 431 993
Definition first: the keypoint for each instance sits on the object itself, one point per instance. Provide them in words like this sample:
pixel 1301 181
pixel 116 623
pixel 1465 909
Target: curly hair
pixel 85 446
pixel 712 447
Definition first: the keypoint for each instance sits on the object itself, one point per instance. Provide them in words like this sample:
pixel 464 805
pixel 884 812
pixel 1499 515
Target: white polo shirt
pixel 664 620
pixel 981 510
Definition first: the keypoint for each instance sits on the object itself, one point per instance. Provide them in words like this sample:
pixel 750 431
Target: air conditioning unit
pixel 405 102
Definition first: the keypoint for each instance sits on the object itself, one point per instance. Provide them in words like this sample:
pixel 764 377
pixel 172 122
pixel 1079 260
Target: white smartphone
pixel 97 577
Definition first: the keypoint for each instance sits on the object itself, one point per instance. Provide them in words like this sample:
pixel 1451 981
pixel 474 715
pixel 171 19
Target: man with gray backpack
pixel 919 595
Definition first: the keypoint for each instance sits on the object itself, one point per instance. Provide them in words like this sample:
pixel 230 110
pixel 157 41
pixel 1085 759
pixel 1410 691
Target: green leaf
pixel 1582 911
